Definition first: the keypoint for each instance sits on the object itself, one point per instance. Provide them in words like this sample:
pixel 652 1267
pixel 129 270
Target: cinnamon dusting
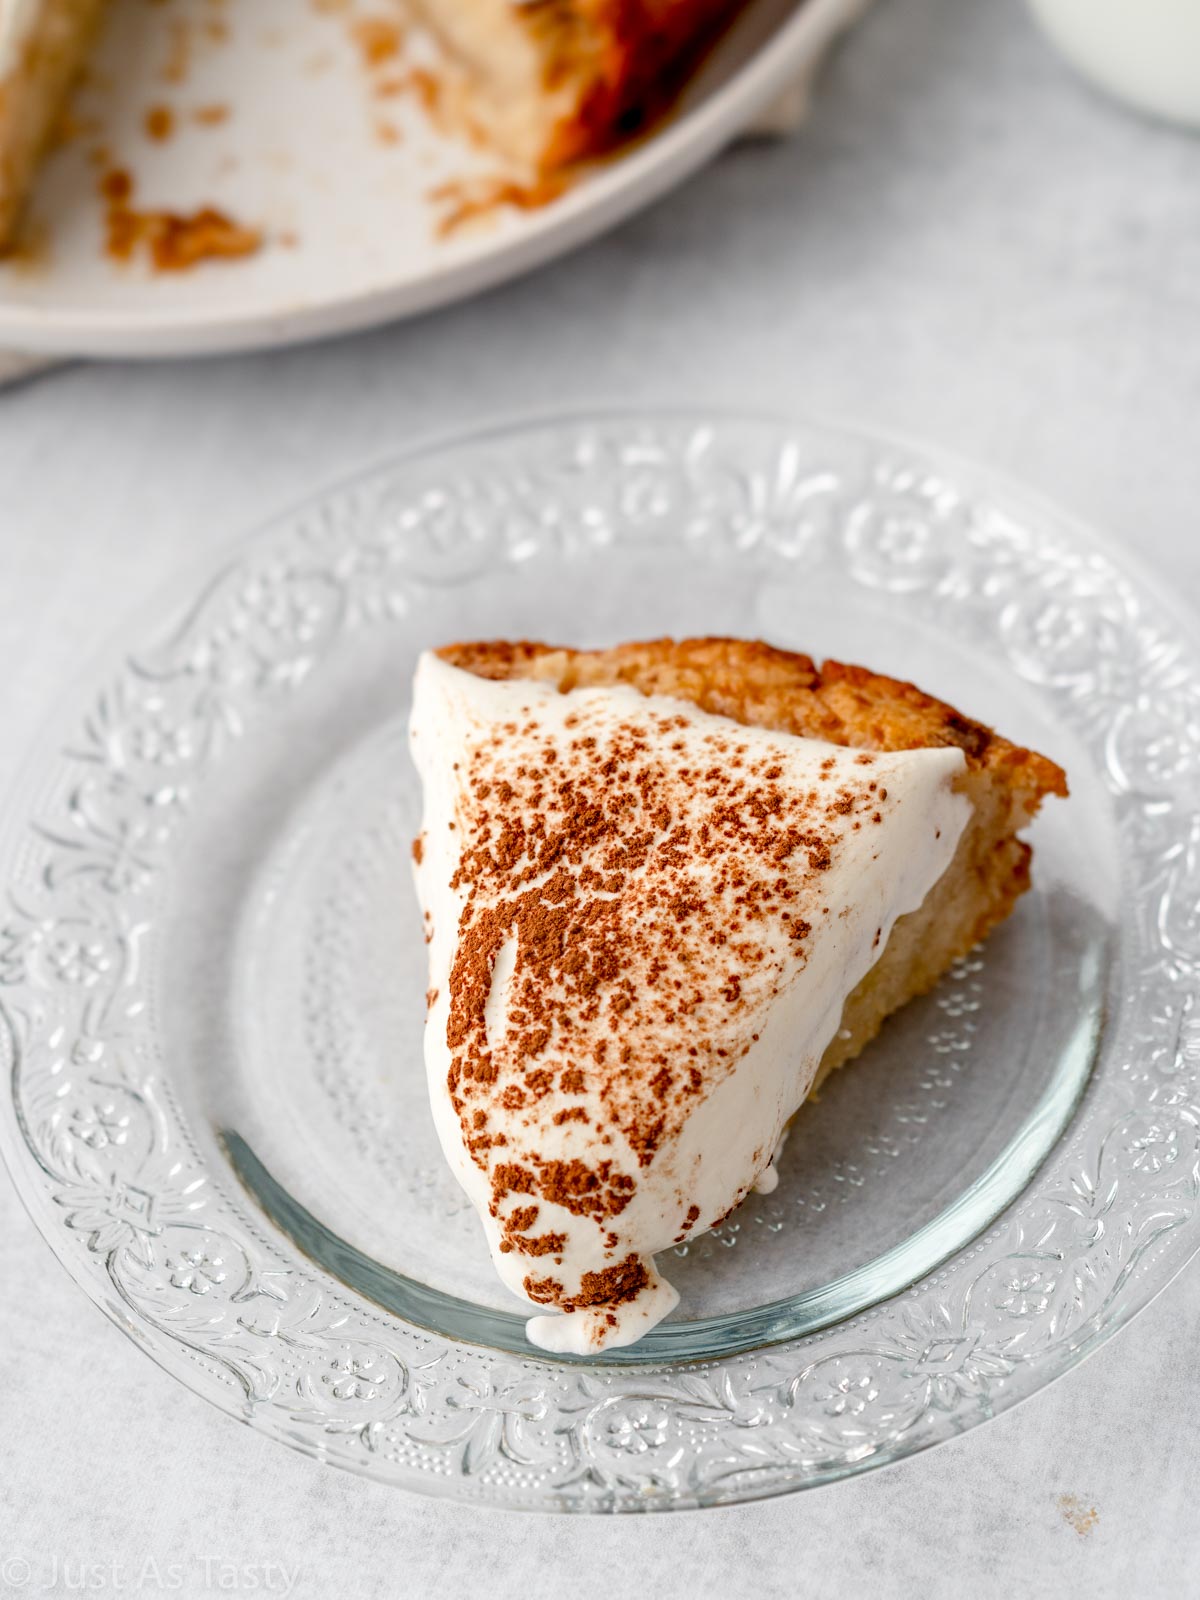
pixel 612 1286
pixel 649 880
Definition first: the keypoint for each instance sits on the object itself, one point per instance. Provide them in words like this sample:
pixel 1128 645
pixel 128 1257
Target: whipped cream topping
pixel 643 924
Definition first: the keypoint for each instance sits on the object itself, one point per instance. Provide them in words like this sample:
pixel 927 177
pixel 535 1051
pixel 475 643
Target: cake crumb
pixel 378 40
pixel 462 202
pixel 159 123
pixel 1083 1518
pixel 173 241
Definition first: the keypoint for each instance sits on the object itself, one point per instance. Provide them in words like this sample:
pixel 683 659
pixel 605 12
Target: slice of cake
pixel 668 887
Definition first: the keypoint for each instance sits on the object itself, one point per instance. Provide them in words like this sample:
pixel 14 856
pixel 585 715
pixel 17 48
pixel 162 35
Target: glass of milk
pixel 1146 52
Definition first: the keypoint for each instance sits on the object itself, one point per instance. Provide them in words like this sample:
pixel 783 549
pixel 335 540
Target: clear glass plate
pixel 212 977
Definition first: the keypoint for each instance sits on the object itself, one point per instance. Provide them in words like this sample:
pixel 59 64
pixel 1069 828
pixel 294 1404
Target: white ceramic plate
pixel 212 978
pixel 339 175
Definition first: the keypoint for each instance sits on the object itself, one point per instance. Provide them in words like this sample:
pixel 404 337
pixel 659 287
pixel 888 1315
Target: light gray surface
pixel 966 246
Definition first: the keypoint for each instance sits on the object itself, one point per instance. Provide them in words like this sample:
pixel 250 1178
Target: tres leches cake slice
pixel 667 887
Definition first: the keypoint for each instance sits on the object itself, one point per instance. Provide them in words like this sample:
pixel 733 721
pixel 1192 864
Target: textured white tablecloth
pixel 965 245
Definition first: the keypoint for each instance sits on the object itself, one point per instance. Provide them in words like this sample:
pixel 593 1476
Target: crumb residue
pixel 178 60
pixel 467 200
pixel 184 35
pixel 1083 1518
pixel 378 38
pixel 173 241
pixel 159 123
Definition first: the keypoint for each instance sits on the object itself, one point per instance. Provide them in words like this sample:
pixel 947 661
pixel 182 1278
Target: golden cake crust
pixel 757 683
